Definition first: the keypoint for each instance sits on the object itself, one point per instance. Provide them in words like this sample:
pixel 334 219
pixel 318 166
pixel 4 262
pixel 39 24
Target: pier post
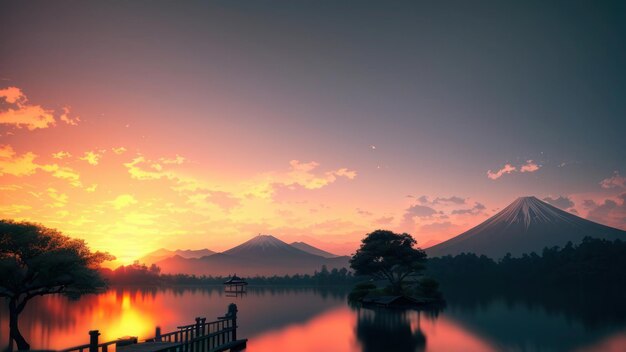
pixel 198 320
pixel 157 334
pixel 232 309
pixel 93 340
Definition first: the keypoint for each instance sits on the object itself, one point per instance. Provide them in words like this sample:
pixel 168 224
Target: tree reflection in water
pixel 380 329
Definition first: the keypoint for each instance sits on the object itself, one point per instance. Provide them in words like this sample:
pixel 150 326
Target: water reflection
pixel 380 330
pixel 303 319
pixel 537 319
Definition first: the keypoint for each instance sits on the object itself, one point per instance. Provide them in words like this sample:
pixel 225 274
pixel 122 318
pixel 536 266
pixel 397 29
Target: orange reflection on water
pixel 114 313
pixel 446 335
pixel 330 331
pixel 134 317
pixel 335 331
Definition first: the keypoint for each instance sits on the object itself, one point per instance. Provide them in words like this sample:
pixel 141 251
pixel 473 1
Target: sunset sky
pixel 145 124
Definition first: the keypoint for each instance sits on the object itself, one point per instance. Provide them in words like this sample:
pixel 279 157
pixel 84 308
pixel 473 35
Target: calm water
pixel 321 320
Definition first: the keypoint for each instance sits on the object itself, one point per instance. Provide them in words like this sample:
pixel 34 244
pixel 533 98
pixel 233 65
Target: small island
pixel 394 267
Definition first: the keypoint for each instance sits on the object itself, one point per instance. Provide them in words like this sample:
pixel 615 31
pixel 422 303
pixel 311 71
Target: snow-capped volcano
pixel 526 225
pixel 529 210
pixel 265 245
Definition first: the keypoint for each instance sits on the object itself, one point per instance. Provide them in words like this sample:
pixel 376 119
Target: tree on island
pixel 37 261
pixel 385 255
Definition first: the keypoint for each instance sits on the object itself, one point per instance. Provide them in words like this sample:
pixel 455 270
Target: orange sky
pixel 203 124
pixel 129 198
pixel 101 181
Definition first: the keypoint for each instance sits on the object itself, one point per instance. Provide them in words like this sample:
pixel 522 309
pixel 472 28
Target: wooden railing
pixel 202 336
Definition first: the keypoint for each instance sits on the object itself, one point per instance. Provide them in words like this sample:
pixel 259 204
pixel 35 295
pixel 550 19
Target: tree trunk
pixel 14 330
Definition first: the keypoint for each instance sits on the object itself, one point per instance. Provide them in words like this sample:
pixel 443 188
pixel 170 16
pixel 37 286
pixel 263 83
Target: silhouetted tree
pixel 388 256
pixel 36 261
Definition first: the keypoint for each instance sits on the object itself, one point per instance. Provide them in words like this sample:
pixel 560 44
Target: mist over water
pixel 306 319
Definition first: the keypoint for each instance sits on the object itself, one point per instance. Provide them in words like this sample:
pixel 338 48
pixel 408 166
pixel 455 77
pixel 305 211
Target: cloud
pixel 441 200
pixel 16 165
pixel 451 200
pixel 65 117
pixel 384 220
pixel 300 178
pixel 119 150
pixel 302 174
pixel 91 157
pixel 177 160
pixel 224 200
pixel 61 155
pixel 16 111
pixel 506 169
pixel 30 116
pixel 436 227
pixel 419 211
pixel 123 201
pixel 24 165
pixel 561 202
pixel 64 173
pixel 528 166
pixel 589 204
pixel 475 210
pixel 59 199
pixel 363 212
pixel 610 212
pixel 615 181
pixel 142 169
pixel 12 95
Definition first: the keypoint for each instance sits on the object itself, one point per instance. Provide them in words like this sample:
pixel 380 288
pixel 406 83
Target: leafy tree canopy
pixel 35 260
pixel 387 255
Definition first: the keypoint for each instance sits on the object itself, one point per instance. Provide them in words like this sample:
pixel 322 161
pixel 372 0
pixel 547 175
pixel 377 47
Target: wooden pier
pixel 203 336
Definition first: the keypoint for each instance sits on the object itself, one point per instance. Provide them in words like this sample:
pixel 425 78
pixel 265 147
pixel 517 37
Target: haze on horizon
pixel 141 125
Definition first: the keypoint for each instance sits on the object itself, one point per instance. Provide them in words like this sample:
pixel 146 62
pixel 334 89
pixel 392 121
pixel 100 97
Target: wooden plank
pixel 237 345
pixel 146 347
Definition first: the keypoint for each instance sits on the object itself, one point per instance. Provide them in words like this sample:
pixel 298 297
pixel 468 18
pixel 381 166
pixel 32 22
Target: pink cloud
pixel 507 169
pixel 610 211
pixel 615 181
pixel 65 117
pixel 530 166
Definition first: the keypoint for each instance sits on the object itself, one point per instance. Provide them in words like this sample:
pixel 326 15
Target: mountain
pixel 267 247
pixel 526 225
pixel 163 253
pixel 312 250
pixel 262 255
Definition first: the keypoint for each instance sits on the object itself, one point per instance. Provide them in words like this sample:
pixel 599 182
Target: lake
pixel 306 319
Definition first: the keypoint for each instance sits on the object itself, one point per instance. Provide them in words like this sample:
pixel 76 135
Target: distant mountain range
pixel 163 253
pixel 262 255
pixel 526 225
